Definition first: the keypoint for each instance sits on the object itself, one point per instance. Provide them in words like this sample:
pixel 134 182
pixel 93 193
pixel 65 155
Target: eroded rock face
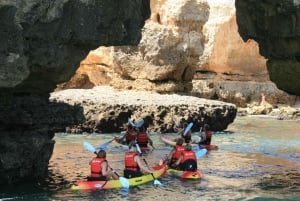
pixel 275 25
pixel 186 45
pixel 161 112
pixel 42 44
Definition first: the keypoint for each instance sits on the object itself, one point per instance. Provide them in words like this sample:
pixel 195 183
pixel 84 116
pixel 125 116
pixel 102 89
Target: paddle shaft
pixel 148 167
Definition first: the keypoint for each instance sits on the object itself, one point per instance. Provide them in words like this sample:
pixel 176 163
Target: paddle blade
pixel 104 145
pixel 140 123
pixel 157 183
pixel 124 182
pixel 138 148
pixel 188 128
pixel 201 153
pixel 131 122
pixel 89 147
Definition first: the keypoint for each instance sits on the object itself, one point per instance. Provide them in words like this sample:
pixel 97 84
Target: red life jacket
pixel 130 136
pixel 142 139
pixel 130 164
pixel 208 134
pixel 96 169
pixel 188 155
pixel 176 155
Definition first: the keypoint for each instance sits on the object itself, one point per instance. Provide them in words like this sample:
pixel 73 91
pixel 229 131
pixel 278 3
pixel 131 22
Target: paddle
pixel 156 182
pixel 123 180
pixel 104 145
pixel 188 128
pixel 201 153
pixel 140 123
pixel 131 122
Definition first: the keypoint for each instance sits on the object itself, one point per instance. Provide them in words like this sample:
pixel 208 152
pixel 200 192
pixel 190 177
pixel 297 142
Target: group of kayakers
pixel 181 157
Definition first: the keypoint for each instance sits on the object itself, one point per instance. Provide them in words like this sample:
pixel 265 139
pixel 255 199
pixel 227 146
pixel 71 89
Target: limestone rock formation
pixel 42 44
pixel 161 112
pixel 275 25
pixel 186 46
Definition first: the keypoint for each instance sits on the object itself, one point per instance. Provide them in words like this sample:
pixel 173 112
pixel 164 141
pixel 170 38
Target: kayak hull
pixel 190 175
pixel 158 172
pixel 171 141
pixel 143 149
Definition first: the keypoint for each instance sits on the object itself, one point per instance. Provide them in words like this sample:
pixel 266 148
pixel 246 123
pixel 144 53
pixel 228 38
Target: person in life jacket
pixel 129 136
pixel 100 170
pixel 206 135
pixel 187 160
pixel 143 138
pixel 175 152
pixel 133 163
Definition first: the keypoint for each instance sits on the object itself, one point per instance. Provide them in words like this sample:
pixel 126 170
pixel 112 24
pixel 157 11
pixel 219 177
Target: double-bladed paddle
pixel 138 124
pixel 156 182
pixel 123 180
pixel 104 145
pixel 188 128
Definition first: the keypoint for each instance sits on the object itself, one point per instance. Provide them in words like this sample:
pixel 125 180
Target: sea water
pixel 258 159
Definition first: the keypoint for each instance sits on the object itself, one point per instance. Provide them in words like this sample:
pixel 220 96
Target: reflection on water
pixel 258 159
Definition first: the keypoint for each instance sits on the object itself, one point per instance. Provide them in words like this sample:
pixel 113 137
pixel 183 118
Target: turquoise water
pixel 258 159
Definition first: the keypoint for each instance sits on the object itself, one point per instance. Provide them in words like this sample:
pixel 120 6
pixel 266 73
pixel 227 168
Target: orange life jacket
pixel 142 139
pixel 130 164
pixel 96 169
pixel 188 155
pixel 176 155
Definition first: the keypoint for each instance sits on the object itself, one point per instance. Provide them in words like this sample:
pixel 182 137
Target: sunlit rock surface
pixel 186 46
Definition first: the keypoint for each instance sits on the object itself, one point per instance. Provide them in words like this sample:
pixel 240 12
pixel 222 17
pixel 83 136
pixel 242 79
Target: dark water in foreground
pixel 258 159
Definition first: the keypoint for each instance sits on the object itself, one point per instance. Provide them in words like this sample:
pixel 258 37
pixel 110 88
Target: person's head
pixel 188 147
pixel 206 127
pixel 179 141
pixel 101 154
pixel 129 127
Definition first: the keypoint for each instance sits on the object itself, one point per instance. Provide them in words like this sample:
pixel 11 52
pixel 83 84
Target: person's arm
pixel 174 165
pixel 171 154
pixel 107 171
pixel 150 142
pixel 203 137
pixel 140 164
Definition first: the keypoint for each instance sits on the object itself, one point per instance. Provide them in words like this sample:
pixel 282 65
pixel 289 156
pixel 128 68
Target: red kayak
pixel 190 175
pixel 143 149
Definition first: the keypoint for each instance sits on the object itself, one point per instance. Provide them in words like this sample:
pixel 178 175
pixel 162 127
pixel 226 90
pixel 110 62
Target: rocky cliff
pixel 275 25
pixel 42 44
pixel 190 46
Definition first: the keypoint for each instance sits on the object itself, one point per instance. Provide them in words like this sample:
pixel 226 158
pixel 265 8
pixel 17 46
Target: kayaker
pixel 205 136
pixel 130 135
pixel 187 160
pixel 133 163
pixel 175 152
pixel 100 170
pixel 143 138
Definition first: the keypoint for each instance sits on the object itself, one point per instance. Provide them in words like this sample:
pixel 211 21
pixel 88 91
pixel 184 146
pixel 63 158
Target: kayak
pixel 171 141
pixel 159 171
pixel 123 143
pixel 209 146
pixel 190 175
